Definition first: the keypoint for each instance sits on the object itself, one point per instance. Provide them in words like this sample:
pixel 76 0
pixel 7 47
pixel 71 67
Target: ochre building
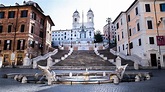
pixel 24 29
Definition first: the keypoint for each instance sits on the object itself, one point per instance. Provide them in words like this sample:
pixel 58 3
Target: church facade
pixel 81 32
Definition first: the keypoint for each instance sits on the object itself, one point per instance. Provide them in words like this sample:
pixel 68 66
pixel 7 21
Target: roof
pixel 76 11
pixel 51 21
pixel 90 10
pixel 126 10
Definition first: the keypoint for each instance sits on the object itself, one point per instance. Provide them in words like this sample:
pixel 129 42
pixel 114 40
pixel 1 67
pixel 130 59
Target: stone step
pixel 87 67
pixel 83 58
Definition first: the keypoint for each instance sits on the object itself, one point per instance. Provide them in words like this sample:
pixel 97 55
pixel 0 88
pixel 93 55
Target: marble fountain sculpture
pixel 82 77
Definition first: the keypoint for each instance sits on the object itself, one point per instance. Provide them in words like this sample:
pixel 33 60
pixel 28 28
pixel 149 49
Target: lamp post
pixel 109 22
pixel 95 42
pixel 157 25
pixel 71 38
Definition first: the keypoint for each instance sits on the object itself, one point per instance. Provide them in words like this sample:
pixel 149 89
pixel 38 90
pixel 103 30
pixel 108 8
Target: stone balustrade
pixel 35 60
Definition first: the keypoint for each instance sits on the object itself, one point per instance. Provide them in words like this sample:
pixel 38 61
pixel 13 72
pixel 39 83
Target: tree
pixel 98 37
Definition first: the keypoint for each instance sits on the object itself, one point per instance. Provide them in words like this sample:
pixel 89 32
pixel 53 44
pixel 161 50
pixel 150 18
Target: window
pixel 41 34
pixel 130 33
pixel 75 19
pixel 90 33
pixel 149 24
pixel 2 15
pixel 118 38
pixel 162 7
pixel 1 29
pixel 20 44
pixel 9 28
pixel 32 29
pixel 122 35
pixel 11 14
pixel 33 16
pixel 32 43
pixel 138 27
pixel 7 44
pixel 136 10
pixel 131 45
pixel 42 21
pixel 151 40
pixel 147 6
pixel 121 22
pixel 22 28
pixel 119 48
pixel 129 18
pixel 140 42
pixel 24 13
pixel 123 46
pixel 117 25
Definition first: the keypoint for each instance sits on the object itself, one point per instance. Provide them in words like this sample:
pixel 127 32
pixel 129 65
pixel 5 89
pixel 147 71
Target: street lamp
pixel 109 22
pixel 71 38
pixel 157 26
pixel 95 43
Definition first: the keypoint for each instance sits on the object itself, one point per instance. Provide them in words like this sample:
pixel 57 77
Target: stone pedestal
pixel 118 61
pixel 49 62
pixel 26 61
pixel 136 66
pixel 34 64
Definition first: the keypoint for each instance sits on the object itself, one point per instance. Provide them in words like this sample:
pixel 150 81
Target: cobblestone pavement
pixel 156 84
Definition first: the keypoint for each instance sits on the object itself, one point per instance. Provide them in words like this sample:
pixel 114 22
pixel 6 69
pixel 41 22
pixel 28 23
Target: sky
pixel 61 11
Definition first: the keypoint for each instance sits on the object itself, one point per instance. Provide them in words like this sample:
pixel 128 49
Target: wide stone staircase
pixel 58 55
pixel 109 55
pixel 83 58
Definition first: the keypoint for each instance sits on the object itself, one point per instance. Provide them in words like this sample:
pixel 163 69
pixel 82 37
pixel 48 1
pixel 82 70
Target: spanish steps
pixel 85 58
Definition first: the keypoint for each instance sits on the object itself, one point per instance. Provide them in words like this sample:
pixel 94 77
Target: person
pixel 1 60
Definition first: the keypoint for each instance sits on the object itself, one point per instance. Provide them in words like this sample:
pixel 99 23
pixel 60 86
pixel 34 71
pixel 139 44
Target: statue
pixel 49 76
pixel 120 71
pixel 26 61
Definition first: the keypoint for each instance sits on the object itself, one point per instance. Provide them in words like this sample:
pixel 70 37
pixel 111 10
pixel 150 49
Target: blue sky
pixel 61 10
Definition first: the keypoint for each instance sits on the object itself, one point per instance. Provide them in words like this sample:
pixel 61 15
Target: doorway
pixel 6 60
pixel 20 59
pixel 153 60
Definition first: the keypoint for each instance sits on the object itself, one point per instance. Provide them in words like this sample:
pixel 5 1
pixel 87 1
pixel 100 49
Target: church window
pixel 90 33
pixel 90 19
pixel 75 19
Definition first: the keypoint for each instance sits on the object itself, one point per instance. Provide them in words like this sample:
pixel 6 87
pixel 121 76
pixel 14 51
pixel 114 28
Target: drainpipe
pixel 128 46
pixel 156 19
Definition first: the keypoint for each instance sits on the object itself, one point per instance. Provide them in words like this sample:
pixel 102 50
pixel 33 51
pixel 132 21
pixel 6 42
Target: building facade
pixel 109 32
pixel 140 29
pixel 81 32
pixel 24 29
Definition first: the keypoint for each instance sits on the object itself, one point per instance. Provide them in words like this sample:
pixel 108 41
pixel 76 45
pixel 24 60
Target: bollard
pixel 136 66
pixel 20 77
pixel 137 78
pixel 148 77
pixel 24 80
pixel 16 77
